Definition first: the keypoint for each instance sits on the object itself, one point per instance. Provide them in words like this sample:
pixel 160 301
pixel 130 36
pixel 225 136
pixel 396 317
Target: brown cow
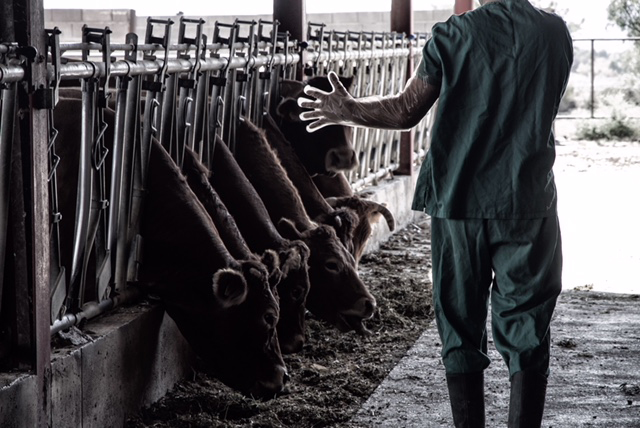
pixel 328 150
pixel 253 220
pixel 198 179
pixel 338 193
pixel 342 220
pixel 224 307
pixel 337 293
pixel 350 215
pixel 292 285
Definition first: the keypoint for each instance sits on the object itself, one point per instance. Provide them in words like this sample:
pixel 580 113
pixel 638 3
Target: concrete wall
pixel 71 21
pixel 122 21
pixel 132 358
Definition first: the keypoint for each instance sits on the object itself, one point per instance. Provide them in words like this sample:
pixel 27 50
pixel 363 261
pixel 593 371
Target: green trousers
pixel 516 263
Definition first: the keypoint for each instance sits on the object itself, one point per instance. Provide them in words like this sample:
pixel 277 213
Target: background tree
pixel 626 15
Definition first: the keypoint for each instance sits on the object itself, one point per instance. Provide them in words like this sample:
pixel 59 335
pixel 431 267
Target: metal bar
pixel 84 70
pixel 92 309
pixel 100 218
pixel 199 127
pixel 187 87
pixel 127 222
pixel 593 78
pixel 81 232
pixel 118 174
pixel 126 47
pixel 7 123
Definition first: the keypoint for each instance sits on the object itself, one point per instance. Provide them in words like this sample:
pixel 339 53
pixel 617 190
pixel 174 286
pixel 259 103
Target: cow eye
pixel 270 319
pixel 332 266
pixel 297 293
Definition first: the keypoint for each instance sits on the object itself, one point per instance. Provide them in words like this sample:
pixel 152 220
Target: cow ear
pixel 272 261
pixel 347 82
pixel 289 110
pixel 288 229
pixel 229 287
pixel 291 88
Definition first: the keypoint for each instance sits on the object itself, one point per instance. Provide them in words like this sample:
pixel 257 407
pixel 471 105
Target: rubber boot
pixel 466 395
pixel 526 404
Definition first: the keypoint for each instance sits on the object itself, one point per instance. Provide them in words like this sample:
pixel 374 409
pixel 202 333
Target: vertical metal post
pixel 402 22
pixel 593 77
pixel 292 16
pixel 29 18
pixel 7 120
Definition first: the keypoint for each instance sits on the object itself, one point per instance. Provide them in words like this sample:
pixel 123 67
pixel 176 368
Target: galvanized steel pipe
pixel 90 69
pixel 92 309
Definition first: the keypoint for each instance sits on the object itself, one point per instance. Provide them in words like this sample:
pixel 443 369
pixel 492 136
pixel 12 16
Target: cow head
pixel 326 151
pixel 344 222
pixel 224 307
pixel 368 213
pixel 337 293
pixel 231 324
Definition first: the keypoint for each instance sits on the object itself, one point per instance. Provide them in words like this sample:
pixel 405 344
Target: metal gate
pixel 181 87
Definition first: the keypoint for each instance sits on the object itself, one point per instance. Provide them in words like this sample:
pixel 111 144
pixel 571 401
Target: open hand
pixel 329 108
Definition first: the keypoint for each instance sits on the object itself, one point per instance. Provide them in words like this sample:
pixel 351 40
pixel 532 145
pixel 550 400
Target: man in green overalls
pixel 498 73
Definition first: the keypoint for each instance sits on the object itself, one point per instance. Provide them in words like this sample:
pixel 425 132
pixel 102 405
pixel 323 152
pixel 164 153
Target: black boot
pixel 526 404
pixel 466 394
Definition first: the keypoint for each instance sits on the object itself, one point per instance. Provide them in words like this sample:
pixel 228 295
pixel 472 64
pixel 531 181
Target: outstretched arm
pixel 401 111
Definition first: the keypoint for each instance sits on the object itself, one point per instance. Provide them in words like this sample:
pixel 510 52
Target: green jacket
pixel 502 70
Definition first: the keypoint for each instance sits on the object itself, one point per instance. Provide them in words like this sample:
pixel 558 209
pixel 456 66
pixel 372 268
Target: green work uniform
pixel 488 184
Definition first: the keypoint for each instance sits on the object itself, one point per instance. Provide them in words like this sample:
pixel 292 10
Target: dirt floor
pixel 335 373
pixel 344 380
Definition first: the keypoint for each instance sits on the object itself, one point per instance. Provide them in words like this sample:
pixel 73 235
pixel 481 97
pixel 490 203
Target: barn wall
pixel 122 21
pixel 134 355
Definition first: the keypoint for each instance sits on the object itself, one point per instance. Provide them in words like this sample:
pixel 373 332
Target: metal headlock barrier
pixel 378 62
pixel 183 92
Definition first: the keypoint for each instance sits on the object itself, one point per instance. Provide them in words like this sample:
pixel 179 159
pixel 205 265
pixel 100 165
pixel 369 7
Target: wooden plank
pixel 30 14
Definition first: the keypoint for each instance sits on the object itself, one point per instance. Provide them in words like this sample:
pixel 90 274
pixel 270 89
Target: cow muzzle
pixel 292 345
pixel 341 159
pixel 352 319
pixel 271 388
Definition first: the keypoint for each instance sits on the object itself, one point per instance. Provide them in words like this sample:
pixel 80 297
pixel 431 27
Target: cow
pixel 338 193
pixel 197 178
pixel 342 220
pixel 350 215
pixel 253 220
pixel 328 150
pixel 224 307
pixel 337 293
pixel 291 294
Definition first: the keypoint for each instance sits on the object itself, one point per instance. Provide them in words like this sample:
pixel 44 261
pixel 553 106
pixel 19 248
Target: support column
pixel 292 16
pixel 402 22
pixel 32 95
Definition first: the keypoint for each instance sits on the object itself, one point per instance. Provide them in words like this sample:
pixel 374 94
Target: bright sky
pixel 592 14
